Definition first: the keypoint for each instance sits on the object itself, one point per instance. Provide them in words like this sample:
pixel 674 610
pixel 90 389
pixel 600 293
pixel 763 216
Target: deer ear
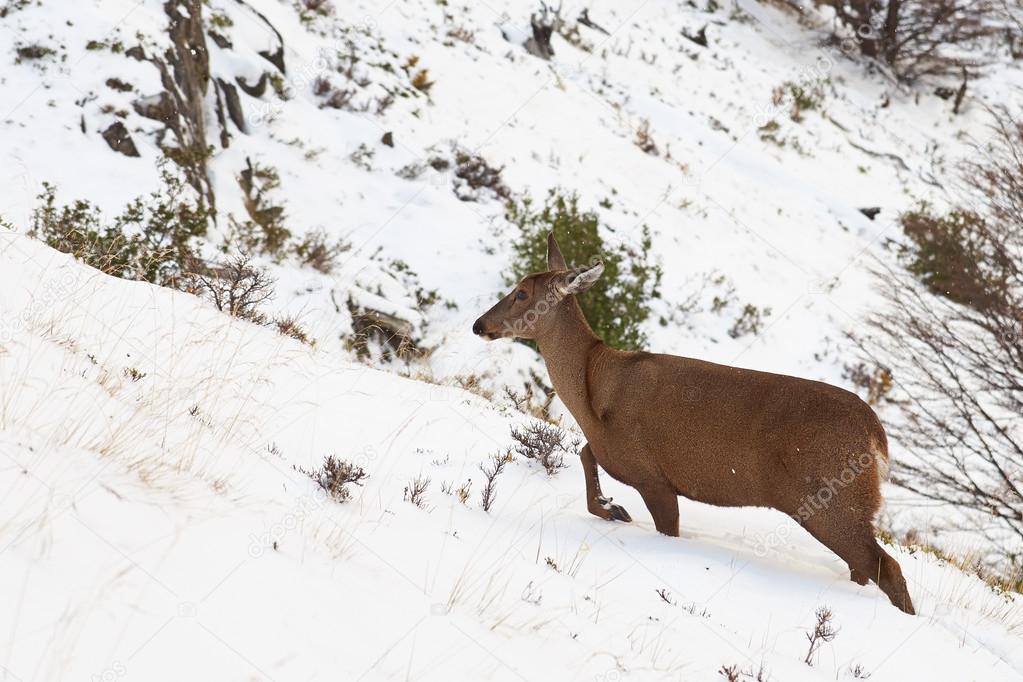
pixel 555 261
pixel 581 279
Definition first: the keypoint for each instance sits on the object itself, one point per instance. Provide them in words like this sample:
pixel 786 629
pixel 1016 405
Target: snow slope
pixel 154 527
pixel 139 517
pixel 773 213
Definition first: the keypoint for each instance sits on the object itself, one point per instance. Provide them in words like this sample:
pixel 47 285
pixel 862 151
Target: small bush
pixel 333 97
pixel 953 256
pixel 476 174
pixel 265 231
pixel 800 97
pixel 823 631
pixel 134 374
pixel 463 34
pixel 858 672
pixel 220 20
pixel 119 85
pixel 421 81
pixel 618 304
pixel 645 139
pixel 544 443
pixel 319 6
pixel 750 321
pixel 318 252
pixel 310 10
pixel 289 326
pixel 489 493
pixel 27 53
pixel 236 287
pixel 876 383
pixel 733 673
pixel 154 239
pixel 462 492
pixel 334 476
pixel 415 491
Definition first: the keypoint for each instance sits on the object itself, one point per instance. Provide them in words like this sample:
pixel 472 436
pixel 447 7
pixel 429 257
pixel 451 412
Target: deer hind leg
pixel 866 559
pixel 890 580
pixel 662 501
pixel 596 503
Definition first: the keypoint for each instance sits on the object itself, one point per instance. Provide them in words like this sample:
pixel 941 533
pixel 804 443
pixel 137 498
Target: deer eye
pixel 520 295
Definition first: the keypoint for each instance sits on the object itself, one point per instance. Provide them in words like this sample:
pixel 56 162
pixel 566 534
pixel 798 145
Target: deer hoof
pixel 616 511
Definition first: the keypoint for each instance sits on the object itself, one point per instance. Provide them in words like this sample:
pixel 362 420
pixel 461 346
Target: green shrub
pixel 618 304
pixel 155 238
pixel 955 256
pixel 265 231
pixel 317 251
pixel 800 97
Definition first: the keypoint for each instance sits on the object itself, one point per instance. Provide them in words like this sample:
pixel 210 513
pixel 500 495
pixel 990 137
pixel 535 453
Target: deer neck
pixel 566 346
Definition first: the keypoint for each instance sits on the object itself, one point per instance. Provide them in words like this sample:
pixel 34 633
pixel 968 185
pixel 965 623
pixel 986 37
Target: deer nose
pixel 477 327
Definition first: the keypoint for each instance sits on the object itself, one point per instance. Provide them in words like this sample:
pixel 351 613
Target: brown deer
pixel 670 426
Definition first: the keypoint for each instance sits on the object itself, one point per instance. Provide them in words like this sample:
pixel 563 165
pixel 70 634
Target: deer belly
pixel 721 481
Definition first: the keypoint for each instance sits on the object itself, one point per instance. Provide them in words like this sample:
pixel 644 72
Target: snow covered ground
pixel 153 524
pixel 154 527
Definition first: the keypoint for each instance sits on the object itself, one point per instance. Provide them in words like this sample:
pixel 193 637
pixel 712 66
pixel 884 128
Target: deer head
pixel 535 302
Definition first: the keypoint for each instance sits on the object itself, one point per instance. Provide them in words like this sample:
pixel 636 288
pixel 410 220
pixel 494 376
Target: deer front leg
pixel 596 503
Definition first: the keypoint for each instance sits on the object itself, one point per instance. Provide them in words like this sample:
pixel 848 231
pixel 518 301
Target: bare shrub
pixel 531 401
pixel 645 139
pixel 952 336
pixel 415 491
pixel 491 472
pixel 236 287
pixel 475 173
pixel 334 476
pixel 823 631
pixel 730 672
pixel 311 10
pixel 876 383
pixel 858 672
pixel 923 37
pixel 319 6
pixel 733 673
pixel 544 443
pixel 463 34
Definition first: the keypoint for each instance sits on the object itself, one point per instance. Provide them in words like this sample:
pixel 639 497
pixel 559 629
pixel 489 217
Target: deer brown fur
pixel 670 426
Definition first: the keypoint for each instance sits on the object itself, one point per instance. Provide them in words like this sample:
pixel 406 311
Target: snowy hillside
pixel 157 523
pixel 155 528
